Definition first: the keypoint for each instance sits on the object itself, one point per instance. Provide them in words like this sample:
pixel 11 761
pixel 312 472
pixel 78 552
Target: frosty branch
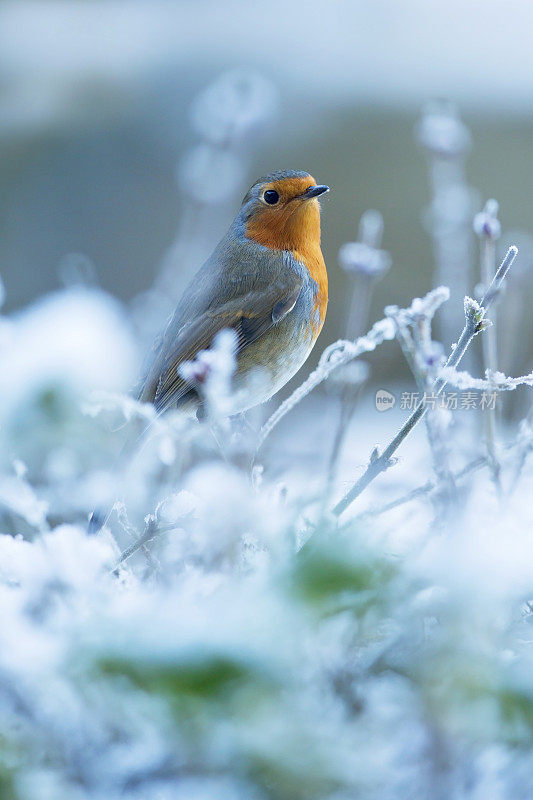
pixel 426 489
pixel 342 352
pixel 488 229
pixel 475 322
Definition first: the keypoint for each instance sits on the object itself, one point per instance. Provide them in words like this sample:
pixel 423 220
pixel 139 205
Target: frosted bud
pixel 441 131
pixel 486 223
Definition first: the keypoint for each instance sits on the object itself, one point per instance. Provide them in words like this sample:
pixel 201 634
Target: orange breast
pixel 314 261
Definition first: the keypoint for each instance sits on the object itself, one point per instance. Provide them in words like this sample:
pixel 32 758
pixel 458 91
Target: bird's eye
pixel 271 197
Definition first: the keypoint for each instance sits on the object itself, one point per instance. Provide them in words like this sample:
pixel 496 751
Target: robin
pixel 267 281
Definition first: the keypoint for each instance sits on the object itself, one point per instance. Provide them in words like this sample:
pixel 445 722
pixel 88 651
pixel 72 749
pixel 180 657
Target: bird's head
pixel 282 211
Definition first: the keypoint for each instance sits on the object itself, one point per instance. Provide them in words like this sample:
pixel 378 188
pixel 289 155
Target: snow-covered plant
pixel 263 616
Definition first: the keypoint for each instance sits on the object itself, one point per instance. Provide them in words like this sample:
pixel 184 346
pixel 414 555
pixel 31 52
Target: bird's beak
pixel 314 191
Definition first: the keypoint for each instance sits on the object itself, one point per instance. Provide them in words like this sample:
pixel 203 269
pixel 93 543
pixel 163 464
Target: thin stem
pixel 365 272
pixel 348 402
pixel 122 515
pixel 367 266
pixel 411 344
pixel 333 357
pixel 415 347
pixel 474 315
pixel 152 529
pixel 489 344
pixel 472 466
pixel 420 491
pixel 362 289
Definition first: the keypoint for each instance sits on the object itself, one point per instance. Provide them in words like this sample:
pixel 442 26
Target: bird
pixel 267 281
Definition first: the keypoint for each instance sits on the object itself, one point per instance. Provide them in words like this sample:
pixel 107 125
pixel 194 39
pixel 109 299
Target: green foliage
pixel 199 673
pixel 7 786
pixel 334 576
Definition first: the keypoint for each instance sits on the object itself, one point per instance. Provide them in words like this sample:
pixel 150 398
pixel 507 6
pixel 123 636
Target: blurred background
pixel 131 129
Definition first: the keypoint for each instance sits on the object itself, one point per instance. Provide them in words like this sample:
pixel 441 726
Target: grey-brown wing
pixel 250 315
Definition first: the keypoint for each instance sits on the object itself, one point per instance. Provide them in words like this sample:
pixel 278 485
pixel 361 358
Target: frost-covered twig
pixel 522 446
pixel 343 351
pixel 475 323
pixel 334 356
pixel 488 230
pixel 155 524
pixel 494 381
pixel 130 408
pixel 365 264
pixel 423 356
pixel 346 382
pixel 123 518
pixel 421 306
pixel 420 491
pixel 151 530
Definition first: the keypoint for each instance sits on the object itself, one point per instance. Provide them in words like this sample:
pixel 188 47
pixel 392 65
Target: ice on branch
pixel 100 402
pixel 337 354
pixel 420 307
pixel 343 351
pixel 493 381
